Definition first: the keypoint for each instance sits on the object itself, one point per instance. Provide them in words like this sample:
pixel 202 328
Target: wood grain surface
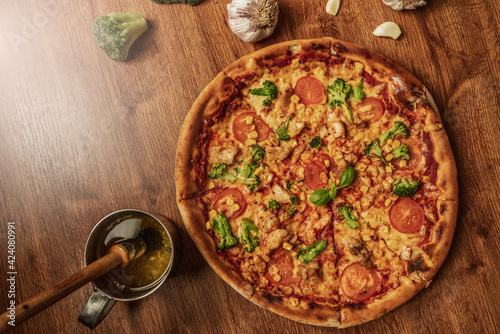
pixel 82 135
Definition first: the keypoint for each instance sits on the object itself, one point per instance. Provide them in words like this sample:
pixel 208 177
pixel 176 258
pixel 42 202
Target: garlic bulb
pixel 388 29
pixel 404 4
pixel 252 20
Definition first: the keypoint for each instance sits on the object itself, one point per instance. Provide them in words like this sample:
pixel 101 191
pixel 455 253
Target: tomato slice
pixel 237 197
pixel 284 262
pixel 415 150
pixel 377 108
pixel 312 175
pixel 241 129
pixel 406 215
pixel 310 90
pixel 359 283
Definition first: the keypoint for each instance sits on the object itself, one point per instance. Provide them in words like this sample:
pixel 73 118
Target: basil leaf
pixel 333 192
pixel 346 213
pixel 320 197
pixel 347 177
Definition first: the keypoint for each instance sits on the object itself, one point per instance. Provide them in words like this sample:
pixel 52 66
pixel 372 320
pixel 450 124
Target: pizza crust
pixel 223 89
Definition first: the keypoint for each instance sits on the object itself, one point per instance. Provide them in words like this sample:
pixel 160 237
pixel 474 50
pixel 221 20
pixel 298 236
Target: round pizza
pixel 316 178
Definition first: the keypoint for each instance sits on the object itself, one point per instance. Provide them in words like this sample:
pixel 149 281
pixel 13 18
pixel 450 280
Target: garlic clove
pixel 388 29
pixel 332 7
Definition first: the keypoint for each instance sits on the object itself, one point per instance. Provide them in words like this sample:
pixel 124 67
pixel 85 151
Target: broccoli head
pixel 282 131
pixel 373 150
pixel 399 129
pixel 338 93
pixel 189 2
pixel 257 154
pixel 315 142
pixel 310 252
pixel 405 187
pixel 293 208
pixel 401 152
pixel 223 232
pixel 246 235
pixel 273 205
pixel 346 213
pixel 220 172
pixel 116 32
pixel 358 92
pixel 270 90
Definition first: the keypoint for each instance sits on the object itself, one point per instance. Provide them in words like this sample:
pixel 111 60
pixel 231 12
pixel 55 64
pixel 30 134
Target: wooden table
pixel 83 135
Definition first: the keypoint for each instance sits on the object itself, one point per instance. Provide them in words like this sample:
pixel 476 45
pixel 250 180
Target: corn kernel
pixel 302 196
pixel 387 148
pixel 274 141
pixel 366 238
pixel 388 169
pixel 323 176
pixel 214 127
pixel 388 202
pixel 365 108
pixel 295 98
pixel 402 163
pixel 291 108
pixel 250 142
pixel 389 158
pixel 389 141
pixel 211 185
pixel 351 199
pixel 364 189
pixel 297 262
pixel 295 271
pixel 315 215
pixel 212 214
pixel 235 207
pixel 249 120
pixel 295 61
pixel 338 156
pixel 294 189
pixel 356 206
pixel 265 257
pixel 277 278
pixel 259 170
pixel 301 207
pixel 396 143
pixel 358 67
pixel 305 156
pixel 294 302
pixel 229 201
pixel 222 133
pixel 287 246
pixel 253 135
pixel 273 270
pixel 340 200
pixel 208 225
pixel 327 163
pixel 252 127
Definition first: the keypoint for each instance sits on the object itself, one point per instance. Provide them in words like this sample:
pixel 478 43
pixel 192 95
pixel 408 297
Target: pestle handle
pixel 117 256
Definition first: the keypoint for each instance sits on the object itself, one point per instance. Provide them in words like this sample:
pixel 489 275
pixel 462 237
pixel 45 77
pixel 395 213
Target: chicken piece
pixel 278 153
pixel 295 127
pixel 283 99
pixel 266 219
pixel 280 194
pixel 273 241
pixel 220 154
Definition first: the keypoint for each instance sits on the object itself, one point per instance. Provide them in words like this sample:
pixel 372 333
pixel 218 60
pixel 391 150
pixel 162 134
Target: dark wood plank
pixel 82 136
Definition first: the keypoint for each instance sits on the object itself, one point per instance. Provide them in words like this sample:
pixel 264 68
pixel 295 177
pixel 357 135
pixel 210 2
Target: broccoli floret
pixel 289 184
pixel 257 154
pixel 116 32
pixel 405 187
pixel 401 152
pixel 220 172
pixel 315 142
pixel 270 90
pixel 282 131
pixel 338 93
pixel 310 252
pixel 358 93
pixel 293 208
pixel 373 150
pixel 397 130
pixel 189 2
pixel 273 205
pixel 223 232
pixel 251 182
pixel 346 213
pixel 246 236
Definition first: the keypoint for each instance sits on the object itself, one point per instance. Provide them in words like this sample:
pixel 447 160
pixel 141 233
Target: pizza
pixel 316 178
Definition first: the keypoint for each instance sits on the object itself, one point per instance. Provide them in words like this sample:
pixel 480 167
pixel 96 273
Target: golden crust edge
pixel 352 317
